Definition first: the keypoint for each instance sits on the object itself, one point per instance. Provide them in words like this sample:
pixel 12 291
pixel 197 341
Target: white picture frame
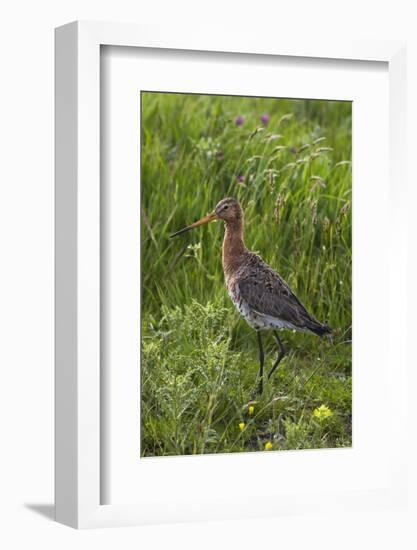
pixel 78 411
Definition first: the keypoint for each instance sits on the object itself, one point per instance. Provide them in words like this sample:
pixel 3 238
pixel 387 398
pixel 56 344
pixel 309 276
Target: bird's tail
pixel 321 330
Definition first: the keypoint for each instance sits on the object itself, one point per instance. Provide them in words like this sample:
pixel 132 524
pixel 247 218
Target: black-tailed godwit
pixel 260 294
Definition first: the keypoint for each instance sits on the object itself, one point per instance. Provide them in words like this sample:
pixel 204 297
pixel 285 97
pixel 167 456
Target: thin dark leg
pixel 261 363
pixel 282 352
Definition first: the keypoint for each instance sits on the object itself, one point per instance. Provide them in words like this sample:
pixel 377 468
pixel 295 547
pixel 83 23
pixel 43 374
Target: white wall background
pixel 26 267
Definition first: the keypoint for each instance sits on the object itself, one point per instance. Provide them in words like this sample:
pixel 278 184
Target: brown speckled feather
pixel 267 293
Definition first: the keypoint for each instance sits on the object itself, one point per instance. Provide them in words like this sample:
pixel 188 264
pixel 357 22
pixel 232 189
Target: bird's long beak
pixel 207 219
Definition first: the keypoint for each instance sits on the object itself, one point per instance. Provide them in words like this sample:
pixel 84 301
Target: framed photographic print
pixel 222 247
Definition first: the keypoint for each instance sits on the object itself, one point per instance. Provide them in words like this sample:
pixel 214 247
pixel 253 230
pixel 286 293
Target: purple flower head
pixel 239 120
pixel 241 179
pixel 265 118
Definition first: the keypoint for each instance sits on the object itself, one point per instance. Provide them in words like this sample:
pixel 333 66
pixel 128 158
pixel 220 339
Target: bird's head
pixel 228 210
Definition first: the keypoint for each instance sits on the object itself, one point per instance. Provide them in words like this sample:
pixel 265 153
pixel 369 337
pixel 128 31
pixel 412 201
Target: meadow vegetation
pixel 289 164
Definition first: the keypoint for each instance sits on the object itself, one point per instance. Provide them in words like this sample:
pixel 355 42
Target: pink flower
pixel 265 118
pixel 239 120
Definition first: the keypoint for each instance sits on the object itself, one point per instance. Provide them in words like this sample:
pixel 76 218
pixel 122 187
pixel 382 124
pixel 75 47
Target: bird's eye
pixel 225 207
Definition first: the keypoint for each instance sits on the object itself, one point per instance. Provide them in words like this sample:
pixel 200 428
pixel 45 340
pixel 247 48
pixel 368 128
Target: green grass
pixel 199 359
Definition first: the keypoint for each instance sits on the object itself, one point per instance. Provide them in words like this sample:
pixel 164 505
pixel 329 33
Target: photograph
pixel 246 274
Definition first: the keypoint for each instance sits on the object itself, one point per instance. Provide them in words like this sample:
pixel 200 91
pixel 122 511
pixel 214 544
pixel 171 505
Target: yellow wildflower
pixel 322 412
pixel 268 446
pixel 251 410
pixel 242 426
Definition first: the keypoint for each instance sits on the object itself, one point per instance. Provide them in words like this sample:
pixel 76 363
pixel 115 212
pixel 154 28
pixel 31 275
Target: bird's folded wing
pixel 268 294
